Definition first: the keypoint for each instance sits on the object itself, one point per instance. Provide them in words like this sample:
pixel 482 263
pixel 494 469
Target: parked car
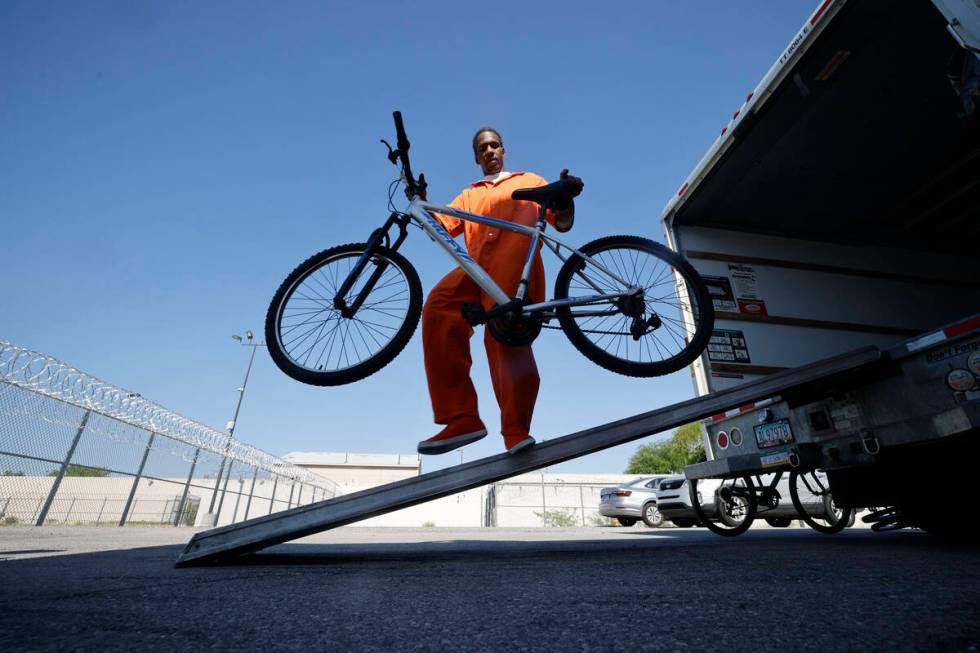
pixel 673 499
pixel 632 502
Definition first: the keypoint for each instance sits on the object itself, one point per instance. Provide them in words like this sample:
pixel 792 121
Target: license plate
pixel 773 434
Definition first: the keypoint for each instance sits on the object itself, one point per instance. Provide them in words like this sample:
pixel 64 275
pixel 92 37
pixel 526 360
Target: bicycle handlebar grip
pixel 403 143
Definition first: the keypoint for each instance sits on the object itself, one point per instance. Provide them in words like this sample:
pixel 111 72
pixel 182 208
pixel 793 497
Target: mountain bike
pixel 628 304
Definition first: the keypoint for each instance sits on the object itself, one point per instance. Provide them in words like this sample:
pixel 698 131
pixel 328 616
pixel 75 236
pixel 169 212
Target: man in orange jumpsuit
pixel 446 334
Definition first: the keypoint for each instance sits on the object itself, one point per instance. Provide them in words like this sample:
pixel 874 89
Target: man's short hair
pixel 486 129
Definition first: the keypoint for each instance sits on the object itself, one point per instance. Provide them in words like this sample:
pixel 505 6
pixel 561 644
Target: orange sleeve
pixel 453 225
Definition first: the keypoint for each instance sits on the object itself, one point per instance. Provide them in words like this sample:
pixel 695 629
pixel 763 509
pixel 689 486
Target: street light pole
pixel 231 426
pixel 241 391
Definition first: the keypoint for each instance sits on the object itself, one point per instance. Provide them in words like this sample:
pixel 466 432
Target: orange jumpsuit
pixel 446 335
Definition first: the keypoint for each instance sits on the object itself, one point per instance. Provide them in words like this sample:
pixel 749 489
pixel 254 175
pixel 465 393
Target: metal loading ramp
pixel 248 536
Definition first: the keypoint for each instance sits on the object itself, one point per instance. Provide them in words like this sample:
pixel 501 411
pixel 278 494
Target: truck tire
pixel 779 522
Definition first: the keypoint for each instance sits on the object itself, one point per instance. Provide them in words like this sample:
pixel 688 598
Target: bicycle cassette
pixel 514 331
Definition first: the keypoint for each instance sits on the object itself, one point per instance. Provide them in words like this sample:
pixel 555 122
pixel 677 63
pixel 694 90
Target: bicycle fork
pixel 378 236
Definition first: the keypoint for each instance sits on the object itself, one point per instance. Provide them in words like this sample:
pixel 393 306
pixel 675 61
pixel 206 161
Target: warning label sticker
pixel 752 307
pixel 720 289
pixel 746 288
pixel 744 281
pixel 774 459
pixel 727 345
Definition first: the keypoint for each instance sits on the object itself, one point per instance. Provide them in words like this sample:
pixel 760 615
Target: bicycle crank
pixel 514 330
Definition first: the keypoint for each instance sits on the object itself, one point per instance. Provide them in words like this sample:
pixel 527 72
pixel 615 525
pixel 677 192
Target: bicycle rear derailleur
pixel 633 306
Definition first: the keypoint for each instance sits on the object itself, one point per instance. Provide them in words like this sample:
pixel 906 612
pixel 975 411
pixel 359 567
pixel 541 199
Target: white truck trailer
pixel 839 209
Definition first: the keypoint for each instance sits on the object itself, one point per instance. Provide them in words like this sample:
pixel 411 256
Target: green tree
pixel 682 448
pixel 12 472
pixel 80 470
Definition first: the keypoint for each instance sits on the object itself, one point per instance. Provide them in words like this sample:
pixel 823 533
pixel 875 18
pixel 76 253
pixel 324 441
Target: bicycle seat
pixel 556 193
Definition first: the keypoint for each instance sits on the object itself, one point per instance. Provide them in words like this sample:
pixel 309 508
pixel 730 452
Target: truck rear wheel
pixel 779 522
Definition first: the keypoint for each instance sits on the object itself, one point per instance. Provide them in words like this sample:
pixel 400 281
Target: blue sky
pixel 164 165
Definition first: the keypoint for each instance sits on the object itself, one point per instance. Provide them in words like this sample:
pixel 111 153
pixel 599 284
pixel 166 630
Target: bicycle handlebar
pixel 402 141
pixel 403 146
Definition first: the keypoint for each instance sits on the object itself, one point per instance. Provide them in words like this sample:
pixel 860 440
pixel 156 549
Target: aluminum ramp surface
pixel 261 532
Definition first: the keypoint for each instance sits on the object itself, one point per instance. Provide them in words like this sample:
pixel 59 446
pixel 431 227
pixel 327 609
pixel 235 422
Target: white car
pixel 632 502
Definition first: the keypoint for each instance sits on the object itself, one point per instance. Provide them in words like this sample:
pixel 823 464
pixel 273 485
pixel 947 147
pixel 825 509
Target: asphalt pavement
pixel 436 589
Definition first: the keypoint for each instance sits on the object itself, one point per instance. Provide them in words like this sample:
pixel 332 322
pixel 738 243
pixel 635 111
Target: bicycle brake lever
pixel 392 154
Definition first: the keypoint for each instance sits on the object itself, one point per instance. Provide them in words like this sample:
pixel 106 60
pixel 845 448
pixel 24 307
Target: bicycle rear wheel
pixel 735 505
pixel 830 518
pixel 664 333
pixel 311 341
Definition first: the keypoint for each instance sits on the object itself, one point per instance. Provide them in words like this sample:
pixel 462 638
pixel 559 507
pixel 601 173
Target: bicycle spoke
pixel 315 335
pixel 662 297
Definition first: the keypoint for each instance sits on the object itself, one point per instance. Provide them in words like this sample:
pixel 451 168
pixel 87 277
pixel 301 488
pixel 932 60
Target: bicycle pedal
pixel 473 313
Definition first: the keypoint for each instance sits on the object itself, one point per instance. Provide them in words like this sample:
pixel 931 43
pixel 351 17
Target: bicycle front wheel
pixel 312 341
pixel 662 334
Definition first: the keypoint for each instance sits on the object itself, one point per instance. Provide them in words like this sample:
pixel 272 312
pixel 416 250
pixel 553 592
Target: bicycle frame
pixel 421 212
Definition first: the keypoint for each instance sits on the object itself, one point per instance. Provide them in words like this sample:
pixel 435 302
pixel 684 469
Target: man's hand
pixel 576 180
pixel 565 211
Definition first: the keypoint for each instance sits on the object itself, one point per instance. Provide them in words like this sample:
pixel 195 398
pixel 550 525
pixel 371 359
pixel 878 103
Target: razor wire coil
pixel 50 377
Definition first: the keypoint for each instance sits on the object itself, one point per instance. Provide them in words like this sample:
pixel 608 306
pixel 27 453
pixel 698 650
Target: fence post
pixel 544 504
pixel 136 481
pixel 251 491
pixel 224 488
pixel 101 510
pixel 581 501
pixel 61 472
pixel 217 482
pixel 292 488
pixel 488 507
pixel 187 487
pixel 238 499
pixel 275 485
pixel 4 511
pixel 70 506
pixel 299 499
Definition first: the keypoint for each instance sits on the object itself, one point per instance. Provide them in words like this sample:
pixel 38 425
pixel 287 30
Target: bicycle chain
pixel 606 333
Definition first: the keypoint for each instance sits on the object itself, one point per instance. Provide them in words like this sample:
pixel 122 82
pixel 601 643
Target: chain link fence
pixel 77 450
pixel 544 503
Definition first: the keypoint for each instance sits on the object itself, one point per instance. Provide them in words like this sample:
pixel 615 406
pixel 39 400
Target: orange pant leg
pixel 446 347
pixel 512 369
pixel 515 383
